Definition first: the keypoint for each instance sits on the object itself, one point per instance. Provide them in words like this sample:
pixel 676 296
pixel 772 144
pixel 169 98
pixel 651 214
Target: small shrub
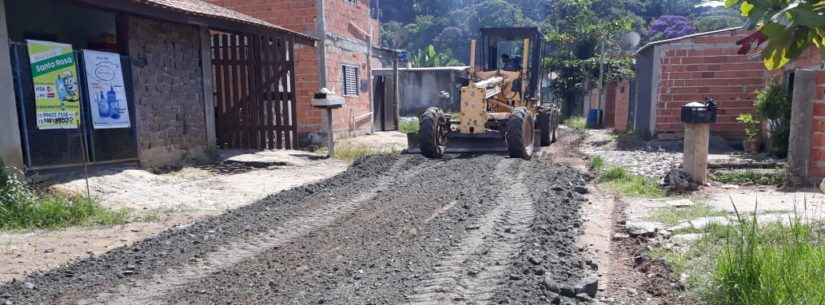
pixel 21 208
pixel 576 122
pixel 774 104
pixel 752 125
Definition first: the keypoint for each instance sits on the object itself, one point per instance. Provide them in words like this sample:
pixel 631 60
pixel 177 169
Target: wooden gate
pixel 254 83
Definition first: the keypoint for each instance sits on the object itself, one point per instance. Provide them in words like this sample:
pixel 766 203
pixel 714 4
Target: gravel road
pixel 389 230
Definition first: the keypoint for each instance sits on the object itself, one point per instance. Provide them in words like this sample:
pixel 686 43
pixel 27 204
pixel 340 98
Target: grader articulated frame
pixel 500 109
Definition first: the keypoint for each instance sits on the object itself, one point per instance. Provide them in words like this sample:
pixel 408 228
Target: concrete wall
pixel 168 88
pixel 421 89
pixel 10 147
pixel 646 64
pixel 706 66
pixel 806 152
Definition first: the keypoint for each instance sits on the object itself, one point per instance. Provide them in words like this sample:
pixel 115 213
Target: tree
pixel 788 26
pixel 671 26
pixel 429 57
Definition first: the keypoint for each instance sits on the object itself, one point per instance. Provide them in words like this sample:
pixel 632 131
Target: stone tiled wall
pixel 167 78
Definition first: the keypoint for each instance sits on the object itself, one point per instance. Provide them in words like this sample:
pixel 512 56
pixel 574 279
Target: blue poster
pixel 107 91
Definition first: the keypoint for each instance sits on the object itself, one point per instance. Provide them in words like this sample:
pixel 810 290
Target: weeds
pixel 21 208
pixel 629 184
pixel 350 153
pixel 774 264
pixel 576 122
pixel 751 177
pixel 409 126
pixel 674 216
pixel 596 164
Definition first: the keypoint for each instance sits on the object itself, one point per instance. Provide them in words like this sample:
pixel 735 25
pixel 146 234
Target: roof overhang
pixel 198 13
pixel 666 41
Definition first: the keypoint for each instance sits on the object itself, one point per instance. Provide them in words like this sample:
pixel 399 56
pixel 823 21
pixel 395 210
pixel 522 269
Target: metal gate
pixel 254 85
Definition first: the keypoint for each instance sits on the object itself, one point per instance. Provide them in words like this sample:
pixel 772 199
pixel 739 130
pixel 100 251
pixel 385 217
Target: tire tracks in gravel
pixel 151 291
pixel 375 256
pixel 471 273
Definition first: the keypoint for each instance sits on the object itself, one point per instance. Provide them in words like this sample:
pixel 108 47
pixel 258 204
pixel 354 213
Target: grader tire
pixel 545 126
pixel 432 141
pixel 520 134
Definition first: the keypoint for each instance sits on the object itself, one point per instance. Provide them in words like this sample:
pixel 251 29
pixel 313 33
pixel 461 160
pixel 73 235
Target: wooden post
pixel 697 141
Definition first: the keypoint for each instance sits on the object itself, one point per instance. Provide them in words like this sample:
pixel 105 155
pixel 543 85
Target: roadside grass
pixel 622 181
pixel 22 208
pixel 749 263
pixel 597 164
pixel 409 126
pixel 351 153
pixel 576 122
pixel 672 216
pixel 750 177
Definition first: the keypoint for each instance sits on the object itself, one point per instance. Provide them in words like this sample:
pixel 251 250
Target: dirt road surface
pixel 389 230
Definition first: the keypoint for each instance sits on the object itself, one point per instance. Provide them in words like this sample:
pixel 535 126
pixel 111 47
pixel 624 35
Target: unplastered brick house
pixel 674 72
pixel 340 61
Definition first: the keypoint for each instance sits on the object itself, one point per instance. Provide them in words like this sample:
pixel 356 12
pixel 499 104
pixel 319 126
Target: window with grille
pixel 350 80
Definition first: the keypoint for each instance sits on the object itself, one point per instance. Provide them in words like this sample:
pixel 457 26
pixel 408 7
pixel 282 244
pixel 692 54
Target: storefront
pixel 98 82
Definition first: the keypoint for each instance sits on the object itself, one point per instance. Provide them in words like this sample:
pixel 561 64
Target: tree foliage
pixel 788 26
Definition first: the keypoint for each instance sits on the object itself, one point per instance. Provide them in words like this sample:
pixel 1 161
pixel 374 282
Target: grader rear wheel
pixel 520 134
pixel 545 126
pixel 433 140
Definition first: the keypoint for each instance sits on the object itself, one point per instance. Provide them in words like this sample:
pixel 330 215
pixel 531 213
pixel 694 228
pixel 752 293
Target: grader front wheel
pixel 433 140
pixel 520 134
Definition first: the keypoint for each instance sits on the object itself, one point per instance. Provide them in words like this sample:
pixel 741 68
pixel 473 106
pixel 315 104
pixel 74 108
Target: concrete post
pixel 11 149
pixel 697 142
pixel 799 149
pixel 208 89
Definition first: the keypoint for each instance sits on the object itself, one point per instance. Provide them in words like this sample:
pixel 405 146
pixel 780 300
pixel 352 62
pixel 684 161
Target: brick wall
pixel 817 162
pixel 344 21
pixel 708 66
pixel 168 90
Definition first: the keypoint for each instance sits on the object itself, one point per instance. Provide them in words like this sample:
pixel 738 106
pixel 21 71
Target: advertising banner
pixel 57 96
pixel 107 91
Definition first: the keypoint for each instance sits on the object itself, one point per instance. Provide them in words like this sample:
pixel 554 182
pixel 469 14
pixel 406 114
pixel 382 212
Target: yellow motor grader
pixel 500 108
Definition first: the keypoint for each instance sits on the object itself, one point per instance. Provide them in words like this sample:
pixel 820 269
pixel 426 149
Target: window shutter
pixel 350 80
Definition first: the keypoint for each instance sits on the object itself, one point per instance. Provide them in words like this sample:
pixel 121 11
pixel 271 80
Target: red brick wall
pixel 350 21
pixel 817 162
pixel 708 66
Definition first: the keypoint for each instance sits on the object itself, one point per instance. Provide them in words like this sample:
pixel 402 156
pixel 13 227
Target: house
pixel 674 72
pixel 148 81
pixel 343 60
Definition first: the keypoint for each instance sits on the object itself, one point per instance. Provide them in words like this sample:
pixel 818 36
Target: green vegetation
pixel 752 125
pixel 620 180
pixel 674 216
pixel 21 208
pixel 350 153
pixel 597 164
pixel 751 177
pixel 773 104
pixel 576 122
pixel 773 264
pixel 409 126
pixel 749 263
pixel 789 28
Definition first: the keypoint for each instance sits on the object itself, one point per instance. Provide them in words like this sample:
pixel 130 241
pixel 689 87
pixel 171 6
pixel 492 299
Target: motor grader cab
pixel 500 108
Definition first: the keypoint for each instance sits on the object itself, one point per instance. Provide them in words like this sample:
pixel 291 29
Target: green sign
pixel 57 96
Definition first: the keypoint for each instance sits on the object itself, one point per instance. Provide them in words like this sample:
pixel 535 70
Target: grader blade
pixel 457 143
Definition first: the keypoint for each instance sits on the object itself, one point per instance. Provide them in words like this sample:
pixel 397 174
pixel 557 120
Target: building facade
pixel 138 82
pixel 672 73
pixel 343 60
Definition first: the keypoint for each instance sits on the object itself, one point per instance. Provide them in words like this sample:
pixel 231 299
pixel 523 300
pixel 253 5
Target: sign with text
pixel 57 96
pixel 107 90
